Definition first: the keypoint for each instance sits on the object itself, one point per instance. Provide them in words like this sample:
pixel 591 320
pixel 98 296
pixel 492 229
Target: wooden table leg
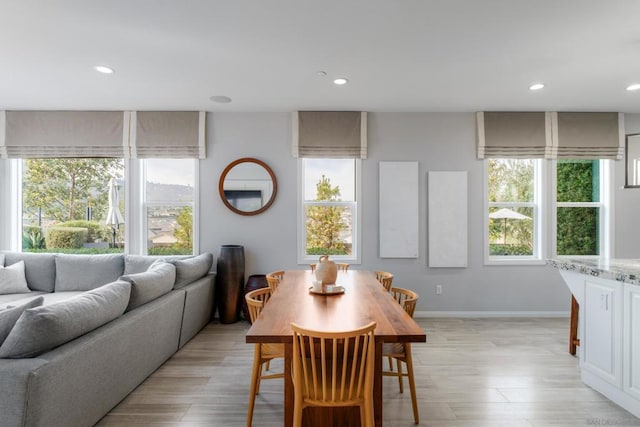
pixel 377 385
pixel 288 386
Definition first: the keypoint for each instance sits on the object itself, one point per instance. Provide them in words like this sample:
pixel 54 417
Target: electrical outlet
pixel 438 289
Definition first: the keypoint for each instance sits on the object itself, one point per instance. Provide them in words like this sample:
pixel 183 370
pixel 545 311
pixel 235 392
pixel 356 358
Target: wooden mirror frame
pixel 223 176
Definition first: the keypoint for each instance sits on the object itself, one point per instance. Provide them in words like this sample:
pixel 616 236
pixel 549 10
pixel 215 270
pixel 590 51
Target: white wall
pixel 438 141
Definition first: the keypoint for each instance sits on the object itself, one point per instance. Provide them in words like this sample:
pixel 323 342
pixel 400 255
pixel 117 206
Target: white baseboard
pixel 467 314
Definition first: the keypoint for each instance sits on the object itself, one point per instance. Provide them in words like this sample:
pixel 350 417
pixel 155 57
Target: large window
pixel 513 208
pixel 84 205
pixel 67 205
pixel 520 196
pixel 169 207
pixel 329 209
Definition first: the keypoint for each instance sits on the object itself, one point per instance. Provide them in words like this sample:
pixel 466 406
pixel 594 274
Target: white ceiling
pixel 399 55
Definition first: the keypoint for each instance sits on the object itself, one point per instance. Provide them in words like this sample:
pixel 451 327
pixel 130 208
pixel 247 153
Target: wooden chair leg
pixel 400 375
pixel 573 328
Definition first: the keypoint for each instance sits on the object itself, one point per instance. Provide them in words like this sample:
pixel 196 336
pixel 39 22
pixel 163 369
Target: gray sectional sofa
pixel 90 329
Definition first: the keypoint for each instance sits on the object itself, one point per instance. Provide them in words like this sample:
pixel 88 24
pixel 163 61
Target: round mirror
pixel 248 186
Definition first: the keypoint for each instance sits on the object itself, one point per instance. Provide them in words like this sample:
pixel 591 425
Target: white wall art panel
pixel 447 195
pixel 399 197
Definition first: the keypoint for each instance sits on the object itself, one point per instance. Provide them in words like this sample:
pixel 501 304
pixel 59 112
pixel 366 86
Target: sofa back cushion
pixel 10 315
pixel 191 269
pixel 13 280
pixel 40 269
pixel 86 272
pixel 134 264
pixel 41 329
pixel 153 283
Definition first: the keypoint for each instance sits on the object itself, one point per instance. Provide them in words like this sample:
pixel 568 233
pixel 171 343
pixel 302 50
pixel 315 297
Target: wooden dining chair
pixel 333 369
pixel 274 278
pixel 341 266
pixel 401 352
pixel 385 278
pixel 263 353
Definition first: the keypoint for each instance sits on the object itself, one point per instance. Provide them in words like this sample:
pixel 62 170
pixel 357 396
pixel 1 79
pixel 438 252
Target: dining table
pixel 364 300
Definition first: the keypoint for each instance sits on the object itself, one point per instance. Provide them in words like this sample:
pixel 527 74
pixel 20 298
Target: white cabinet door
pixel 602 333
pixel 631 346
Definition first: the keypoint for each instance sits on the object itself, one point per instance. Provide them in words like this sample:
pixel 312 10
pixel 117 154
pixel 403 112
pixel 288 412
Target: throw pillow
pixel 10 315
pixel 40 268
pixel 1 260
pixel 86 272
pixel 191 269
pixel 153 283
pixel 13 280
pixel 43 328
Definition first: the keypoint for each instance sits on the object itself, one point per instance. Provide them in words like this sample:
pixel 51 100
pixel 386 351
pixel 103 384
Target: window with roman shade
pixel 117 134
pixel 587 135
pixel 168 134
pixel 550 135
pixel 55 134
pixel 330 134
pixel 520 135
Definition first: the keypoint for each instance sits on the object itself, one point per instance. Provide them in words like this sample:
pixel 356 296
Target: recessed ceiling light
pixel 341 81
pixel 634 86
pixel 104 69
pixel 221 99
pixel 536 86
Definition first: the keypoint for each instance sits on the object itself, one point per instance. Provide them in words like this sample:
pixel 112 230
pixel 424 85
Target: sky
pixel 170 171
pixel 339 171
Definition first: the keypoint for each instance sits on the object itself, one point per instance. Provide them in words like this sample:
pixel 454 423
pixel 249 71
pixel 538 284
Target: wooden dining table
pixel 364 300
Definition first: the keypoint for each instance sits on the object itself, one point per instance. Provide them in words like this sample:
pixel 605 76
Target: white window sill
pixel 512 262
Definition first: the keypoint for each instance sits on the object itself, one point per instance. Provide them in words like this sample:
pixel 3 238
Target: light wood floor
pixel 471 372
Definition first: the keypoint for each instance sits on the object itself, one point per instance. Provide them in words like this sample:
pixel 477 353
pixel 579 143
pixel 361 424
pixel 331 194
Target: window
pixel 169 206
pixel 517 197
pixel 66 205
pixel 579 207
pixel 513 208
pixel 329 221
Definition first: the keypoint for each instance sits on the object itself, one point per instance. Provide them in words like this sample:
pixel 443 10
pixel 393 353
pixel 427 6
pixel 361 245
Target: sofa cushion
pixel 40 269
pixel 10 315
pixel 86 272
pixel 43 328
pixel 191 269
pixel 13 280
pixel 153 283
pixel 134 264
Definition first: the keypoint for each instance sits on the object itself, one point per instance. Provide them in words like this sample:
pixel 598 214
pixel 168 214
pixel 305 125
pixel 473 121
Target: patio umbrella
pixel 114 217
pixel 506 214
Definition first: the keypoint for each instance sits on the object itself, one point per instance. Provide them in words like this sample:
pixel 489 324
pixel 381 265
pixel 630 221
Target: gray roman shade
pixel 168 134
pixel 523 135
pixel 47 134
pixel 330 134
pixel 588 135
pixel 562 135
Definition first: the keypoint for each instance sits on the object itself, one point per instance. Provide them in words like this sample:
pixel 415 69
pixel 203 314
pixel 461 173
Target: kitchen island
pixel 608 292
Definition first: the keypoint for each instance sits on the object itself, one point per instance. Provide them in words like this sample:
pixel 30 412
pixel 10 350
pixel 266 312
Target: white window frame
pixel 355 257
pixel 605 206
pixel 539 218
pixel 135 212
pixel 146 204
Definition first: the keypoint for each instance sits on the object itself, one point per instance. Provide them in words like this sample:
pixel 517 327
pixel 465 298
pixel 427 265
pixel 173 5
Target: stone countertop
pixel 622 270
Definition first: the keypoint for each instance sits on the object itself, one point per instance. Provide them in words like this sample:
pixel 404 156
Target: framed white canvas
pixel 447 213
pixel 399 197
